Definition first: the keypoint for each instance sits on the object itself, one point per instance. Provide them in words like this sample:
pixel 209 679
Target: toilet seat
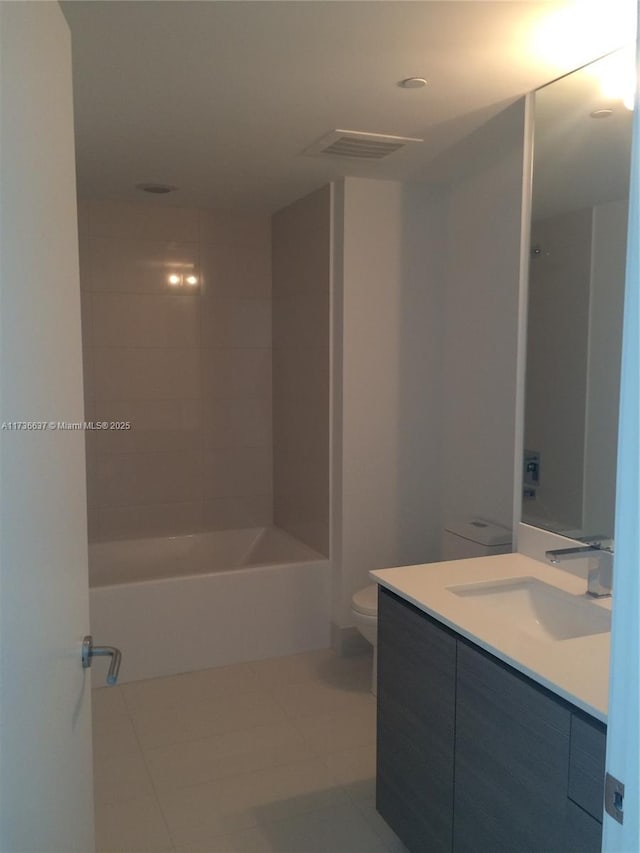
pixel 365 601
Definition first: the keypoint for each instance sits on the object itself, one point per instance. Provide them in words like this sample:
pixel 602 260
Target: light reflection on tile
pixel 189 367
pixel 214 763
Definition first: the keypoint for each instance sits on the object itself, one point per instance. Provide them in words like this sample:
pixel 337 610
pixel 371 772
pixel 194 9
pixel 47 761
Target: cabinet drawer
pixel 586 764
pixel 584 833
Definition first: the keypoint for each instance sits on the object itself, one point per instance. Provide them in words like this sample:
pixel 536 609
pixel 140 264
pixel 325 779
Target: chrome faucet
pixel 600 578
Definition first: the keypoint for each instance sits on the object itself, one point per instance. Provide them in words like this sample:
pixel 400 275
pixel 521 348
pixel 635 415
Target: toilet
pixel 460 540
pixel 364 613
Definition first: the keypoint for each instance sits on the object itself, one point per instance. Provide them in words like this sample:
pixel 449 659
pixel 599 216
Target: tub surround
pixel 575 669
pixel 188 366
pixel 185 603
pixel 301 294
pixel 138 560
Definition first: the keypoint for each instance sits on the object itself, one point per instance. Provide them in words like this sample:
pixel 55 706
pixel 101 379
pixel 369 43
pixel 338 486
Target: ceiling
pixel 221 98
pixel 579 161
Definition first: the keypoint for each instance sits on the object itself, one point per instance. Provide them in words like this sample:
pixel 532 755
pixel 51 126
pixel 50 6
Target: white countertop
pixel 576 669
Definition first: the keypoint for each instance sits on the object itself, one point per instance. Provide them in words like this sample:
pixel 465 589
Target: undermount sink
pixel 538 609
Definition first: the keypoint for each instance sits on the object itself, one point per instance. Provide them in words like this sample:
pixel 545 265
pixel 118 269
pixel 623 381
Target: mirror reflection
pixel 582 144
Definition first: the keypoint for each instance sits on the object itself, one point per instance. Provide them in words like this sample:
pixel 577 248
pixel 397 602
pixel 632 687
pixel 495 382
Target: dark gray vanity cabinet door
pixel 512 756
pixel 416 713
pixel 584 833
pixel 587 764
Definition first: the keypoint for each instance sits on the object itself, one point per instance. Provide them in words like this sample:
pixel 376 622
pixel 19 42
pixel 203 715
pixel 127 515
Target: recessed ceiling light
pixel 156 189
pixel 413 83
pixel 604 113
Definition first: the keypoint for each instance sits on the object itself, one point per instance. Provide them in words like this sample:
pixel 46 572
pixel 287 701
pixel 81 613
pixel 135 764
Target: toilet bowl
pixel 474 537
pixel 364 612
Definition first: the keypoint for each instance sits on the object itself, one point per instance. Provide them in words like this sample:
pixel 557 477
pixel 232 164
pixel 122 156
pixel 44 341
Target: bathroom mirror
pixel 582 145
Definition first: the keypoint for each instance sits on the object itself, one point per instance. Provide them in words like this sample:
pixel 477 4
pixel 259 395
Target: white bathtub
pixel 190 602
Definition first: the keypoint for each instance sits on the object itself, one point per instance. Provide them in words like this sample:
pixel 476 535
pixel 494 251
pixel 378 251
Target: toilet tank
pixel 474 537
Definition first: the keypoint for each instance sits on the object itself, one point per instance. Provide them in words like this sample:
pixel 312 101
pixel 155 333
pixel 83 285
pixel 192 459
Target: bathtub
pixel 184 603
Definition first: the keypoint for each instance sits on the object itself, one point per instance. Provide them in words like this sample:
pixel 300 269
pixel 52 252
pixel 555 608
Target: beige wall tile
pixel 146 374
pixel 190 369
pixel 305 518
pixel 303 260
pixel 238 422
pixel 136 320
pixel 228 271
pixel 151 221
pixel 300 428
pixel 237 472
pixel 93 524
pixel 251 232
pixel 233 372
pixel 90 463
pixel 138 266
pixel 302 320
pixel 86 318
pixel 236 322
pixel 302 374
pixel 130 522
pixel 87 374
pixel 305 221
pixel 127 479
pixel 300 486
pixel 156 425
pixel 83 219
pixel 237 512
pixel 301 286
pixel 84 259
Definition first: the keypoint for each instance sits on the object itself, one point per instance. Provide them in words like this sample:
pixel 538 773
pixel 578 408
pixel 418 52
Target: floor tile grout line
pixel 266 822
pixel 291 721
pixel 315 755
pixel 204 782
pixel 267 769
pixel 151 780
pixel 217 735
pixel 196 739
pixel 315 809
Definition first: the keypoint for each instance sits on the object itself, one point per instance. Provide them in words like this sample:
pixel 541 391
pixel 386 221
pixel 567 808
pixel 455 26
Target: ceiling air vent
pixel 361 146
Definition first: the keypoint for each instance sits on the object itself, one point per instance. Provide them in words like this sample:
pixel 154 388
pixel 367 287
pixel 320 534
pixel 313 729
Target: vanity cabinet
pixel 472 755
pixel 511 759
pixel 416 724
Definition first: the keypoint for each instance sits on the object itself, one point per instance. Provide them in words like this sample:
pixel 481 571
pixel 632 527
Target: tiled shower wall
pixel 301 288
pixel 189 366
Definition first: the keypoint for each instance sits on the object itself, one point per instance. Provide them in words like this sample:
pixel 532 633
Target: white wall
pixel 480 325
pixel 387 367
pixel 425 322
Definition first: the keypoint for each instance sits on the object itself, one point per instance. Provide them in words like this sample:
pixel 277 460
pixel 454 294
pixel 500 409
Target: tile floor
pixel 276 756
